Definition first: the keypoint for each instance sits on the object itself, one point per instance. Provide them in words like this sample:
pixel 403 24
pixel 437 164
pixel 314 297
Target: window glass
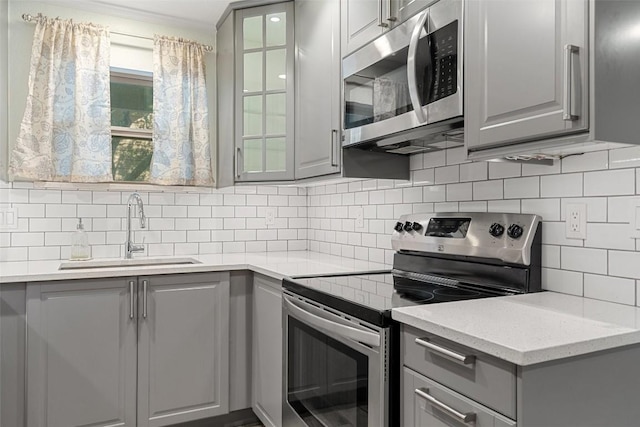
pixel 131 126
pixel 276 29
pixel 131 158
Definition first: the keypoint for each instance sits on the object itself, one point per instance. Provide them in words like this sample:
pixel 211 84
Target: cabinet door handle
pixel 462 358
pixel 567 107
pixel 238 150
pixel 381 22
pixel 131 301
pixel 145 283
pixel 334 138
pixel 460 416
pixel 388 14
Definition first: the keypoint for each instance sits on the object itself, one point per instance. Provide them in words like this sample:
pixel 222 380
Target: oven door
pixel 334 368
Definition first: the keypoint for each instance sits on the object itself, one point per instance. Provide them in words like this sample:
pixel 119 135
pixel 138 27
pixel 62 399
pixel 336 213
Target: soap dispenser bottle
pixel 80 243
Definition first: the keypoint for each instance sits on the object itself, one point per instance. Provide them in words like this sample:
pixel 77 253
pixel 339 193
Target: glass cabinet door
pixel 264 93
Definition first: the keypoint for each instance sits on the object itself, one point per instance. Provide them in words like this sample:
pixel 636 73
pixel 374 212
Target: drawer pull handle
pixel 462 417
pixel 465 359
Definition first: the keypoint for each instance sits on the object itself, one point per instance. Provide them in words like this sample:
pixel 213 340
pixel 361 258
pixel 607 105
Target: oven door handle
pixel 412 78
pixel 369 338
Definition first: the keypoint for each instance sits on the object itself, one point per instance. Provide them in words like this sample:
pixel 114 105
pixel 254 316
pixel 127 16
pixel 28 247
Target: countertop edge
pixel 519 357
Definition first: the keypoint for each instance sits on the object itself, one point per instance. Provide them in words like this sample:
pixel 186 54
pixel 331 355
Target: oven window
pixel 327 380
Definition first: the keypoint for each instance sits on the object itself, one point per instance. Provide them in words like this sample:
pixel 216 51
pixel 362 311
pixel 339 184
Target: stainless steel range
pixel 340 344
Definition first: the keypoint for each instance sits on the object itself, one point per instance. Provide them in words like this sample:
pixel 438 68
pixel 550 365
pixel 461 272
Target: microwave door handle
pixel 412 77
pixel 365 337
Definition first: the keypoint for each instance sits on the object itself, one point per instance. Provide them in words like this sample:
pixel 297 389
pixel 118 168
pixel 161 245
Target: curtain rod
pixel 30 18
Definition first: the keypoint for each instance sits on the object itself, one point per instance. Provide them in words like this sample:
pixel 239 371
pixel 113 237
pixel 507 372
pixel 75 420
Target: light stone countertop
pixel 529 329
pixel 523 329
pixel 273 264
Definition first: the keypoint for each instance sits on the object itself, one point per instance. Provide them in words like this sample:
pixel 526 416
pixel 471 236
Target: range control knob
pixel 408 226
pixel 496 229
pixel 417 226
pixel 514 231
pixel 399 227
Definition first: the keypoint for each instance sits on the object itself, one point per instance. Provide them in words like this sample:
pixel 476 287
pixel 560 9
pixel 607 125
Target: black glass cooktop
pixel 370 297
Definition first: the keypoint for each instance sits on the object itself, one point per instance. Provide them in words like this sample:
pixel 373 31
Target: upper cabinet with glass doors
pixel 364 20
pixel 264 89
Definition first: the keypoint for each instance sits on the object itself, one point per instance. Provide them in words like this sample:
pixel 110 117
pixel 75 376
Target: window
pixel 131 125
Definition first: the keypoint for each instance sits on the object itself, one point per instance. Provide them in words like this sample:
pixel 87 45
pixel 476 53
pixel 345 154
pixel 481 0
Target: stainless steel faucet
pixel 130 247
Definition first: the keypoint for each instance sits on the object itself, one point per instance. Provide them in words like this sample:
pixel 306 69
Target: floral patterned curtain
pixel 182 154
pixel 65 134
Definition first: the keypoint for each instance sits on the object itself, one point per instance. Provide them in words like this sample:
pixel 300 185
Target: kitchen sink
pixel 134 262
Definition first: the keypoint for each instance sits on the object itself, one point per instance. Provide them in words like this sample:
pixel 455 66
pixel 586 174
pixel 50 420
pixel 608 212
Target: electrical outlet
pixel 359 217
pixel 8 218
pixel 576 221
pixel 270 216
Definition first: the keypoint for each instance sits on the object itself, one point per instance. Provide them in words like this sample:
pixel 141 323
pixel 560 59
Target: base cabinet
pixel 267 350
pixel 81 354
pixel 147 351
pixel 444 382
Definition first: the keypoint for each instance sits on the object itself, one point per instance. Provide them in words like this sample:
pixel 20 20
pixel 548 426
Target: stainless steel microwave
pixel 407 84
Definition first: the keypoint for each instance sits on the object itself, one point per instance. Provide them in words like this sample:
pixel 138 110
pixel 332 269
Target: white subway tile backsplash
pixel 584 259
pixel 607 288
pixel 322 217
pixel 475 171
pixel 551 256
pixel 435 159
pixel 624 264
pixel 30 210
pixel 609 236
pixel 106 197
pixel 499 170
pixel 569 185
pixel 27 239
pixel 596 160
pixel 596 208
pixel 45 196
pixel 162 199
pixel 619 209
pixel 566 282
pixel 188 199
pixel 488 190
pixel 618 182
pixel 423 177
pixel 77 197
pixel 548 209
pixel 447 174
pixel 45 224
pixel 623 158
pixel 92 211
pixel 434 193
pixel 459 192
pixel 508 206
pixel 522 188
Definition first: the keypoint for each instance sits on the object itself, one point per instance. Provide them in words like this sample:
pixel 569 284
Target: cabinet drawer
pixel 427 403
pixel 483 378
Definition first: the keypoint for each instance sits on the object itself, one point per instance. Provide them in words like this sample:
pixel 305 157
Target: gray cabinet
pixel 364 20
pixel 318 81
pixel 526 71
pixel 183 339
pixel 443 381
pixel 148 351
pixel 426 402
pixel 264 93
pixel 81 354
pixel 267 350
